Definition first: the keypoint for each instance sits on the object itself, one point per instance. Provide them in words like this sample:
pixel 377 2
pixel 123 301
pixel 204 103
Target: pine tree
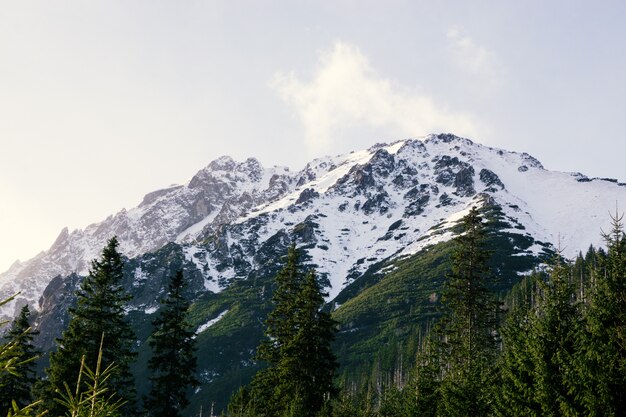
pixel 99 310
pixel 299 378
pixel 426 383
pixel 16 386
pixel 468 324
pixel 280 323
pixel 90 396
pixel 173 364
pixel 307 365
pixel 602 363
pixel 540 348
pixel 515 387
pixel 555 326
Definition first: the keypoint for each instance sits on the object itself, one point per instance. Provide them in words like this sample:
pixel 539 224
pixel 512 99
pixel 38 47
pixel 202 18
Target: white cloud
pixel 347 93
pixel 473 58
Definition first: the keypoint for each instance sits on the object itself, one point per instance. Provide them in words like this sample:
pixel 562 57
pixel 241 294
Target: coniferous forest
pixel 554 345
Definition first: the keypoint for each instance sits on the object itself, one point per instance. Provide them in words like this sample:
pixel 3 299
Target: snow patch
pixel 211 322
pixel 151 310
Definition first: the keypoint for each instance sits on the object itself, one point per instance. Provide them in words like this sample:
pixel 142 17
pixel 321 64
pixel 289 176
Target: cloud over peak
pixel 474 59
pixel 346 93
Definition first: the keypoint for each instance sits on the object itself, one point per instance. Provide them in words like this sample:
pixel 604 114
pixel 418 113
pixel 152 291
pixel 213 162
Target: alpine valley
pixel 375 224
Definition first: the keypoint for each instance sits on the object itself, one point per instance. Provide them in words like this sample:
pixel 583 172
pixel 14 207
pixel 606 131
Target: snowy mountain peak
pixel 216 195
pixel 350 211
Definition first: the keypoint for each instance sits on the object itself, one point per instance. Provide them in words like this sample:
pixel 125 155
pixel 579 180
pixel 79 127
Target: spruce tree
pixel 538 362
pixel 424 387
pixel 555 324
pixel 280 323
pixel 173 364
pixel 308 365
pixel 16 386
pixel 99 311
pixel 602 362
pixel 468 325
pixel 265 391
pixel 515 386
pixel 299 378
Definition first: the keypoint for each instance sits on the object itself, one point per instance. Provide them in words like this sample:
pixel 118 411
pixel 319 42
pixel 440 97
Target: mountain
pixel 375 224
pixel 216 195
pixel 370 205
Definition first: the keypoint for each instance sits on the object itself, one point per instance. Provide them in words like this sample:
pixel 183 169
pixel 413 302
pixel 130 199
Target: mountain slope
pixel 356 210
pixel 216 195
pixel 375 224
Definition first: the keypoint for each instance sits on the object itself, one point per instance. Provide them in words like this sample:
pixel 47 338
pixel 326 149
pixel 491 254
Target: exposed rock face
pixel 490 179
pixel 216 195
pixel 464 182
pixel 340 207
pixel 307 195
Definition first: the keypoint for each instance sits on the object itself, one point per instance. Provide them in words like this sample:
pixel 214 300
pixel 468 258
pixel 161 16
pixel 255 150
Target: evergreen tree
pixel 308 365
pixel 99 310
pixel 174 362
pixel 515 387
pixel 468 325
pixel 299 378
pixel 539 355
pixel 280 323
pixel 16 386
pixel 91 396
pixel 424 387
pixel 602 359
pixel 555 323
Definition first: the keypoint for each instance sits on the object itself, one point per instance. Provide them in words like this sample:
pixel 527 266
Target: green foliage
pixel 14 362
pixel 15 385
pixel 555 325
pixel 173 364
pixel 99 310
pixel 91 396
pixel 515 391
pixel 28 411
pixel 281 322
pixel 465 333
pixel 388 312
pixel 299 378
pixel 562 345
pixel 8 359
pixel 425 385
pixel 538 358
pixel 307 365
pixel 602 347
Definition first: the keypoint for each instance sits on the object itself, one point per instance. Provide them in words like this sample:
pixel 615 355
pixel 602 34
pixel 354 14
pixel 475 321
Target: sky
pixel 104 101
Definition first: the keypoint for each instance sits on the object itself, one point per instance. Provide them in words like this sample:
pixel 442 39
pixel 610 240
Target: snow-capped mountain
pixel 352 211
pixel 216 195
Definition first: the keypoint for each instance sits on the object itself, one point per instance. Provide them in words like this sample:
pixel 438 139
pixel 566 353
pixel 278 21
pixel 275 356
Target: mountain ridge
pixel 413 190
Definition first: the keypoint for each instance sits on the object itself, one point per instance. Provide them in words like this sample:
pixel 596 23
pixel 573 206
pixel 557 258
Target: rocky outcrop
pixel 341 207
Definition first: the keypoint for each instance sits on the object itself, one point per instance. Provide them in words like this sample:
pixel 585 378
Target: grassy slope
pixel 389 313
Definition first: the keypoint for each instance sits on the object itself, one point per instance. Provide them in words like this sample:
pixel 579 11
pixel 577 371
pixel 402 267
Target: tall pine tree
pixel 602 359
pixel 467 327
pixel 280 323
pixel 539 360
pixel 424 387
pixel 173 364
pixel 299 378
pixel 515 387
pixel 308 365
pixel 16 386
pixel 99 311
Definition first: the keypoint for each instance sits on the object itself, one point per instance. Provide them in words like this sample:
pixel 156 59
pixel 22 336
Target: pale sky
pixel 104 101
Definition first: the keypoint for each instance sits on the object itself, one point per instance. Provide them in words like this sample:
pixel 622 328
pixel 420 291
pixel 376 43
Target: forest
pixel 555 345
